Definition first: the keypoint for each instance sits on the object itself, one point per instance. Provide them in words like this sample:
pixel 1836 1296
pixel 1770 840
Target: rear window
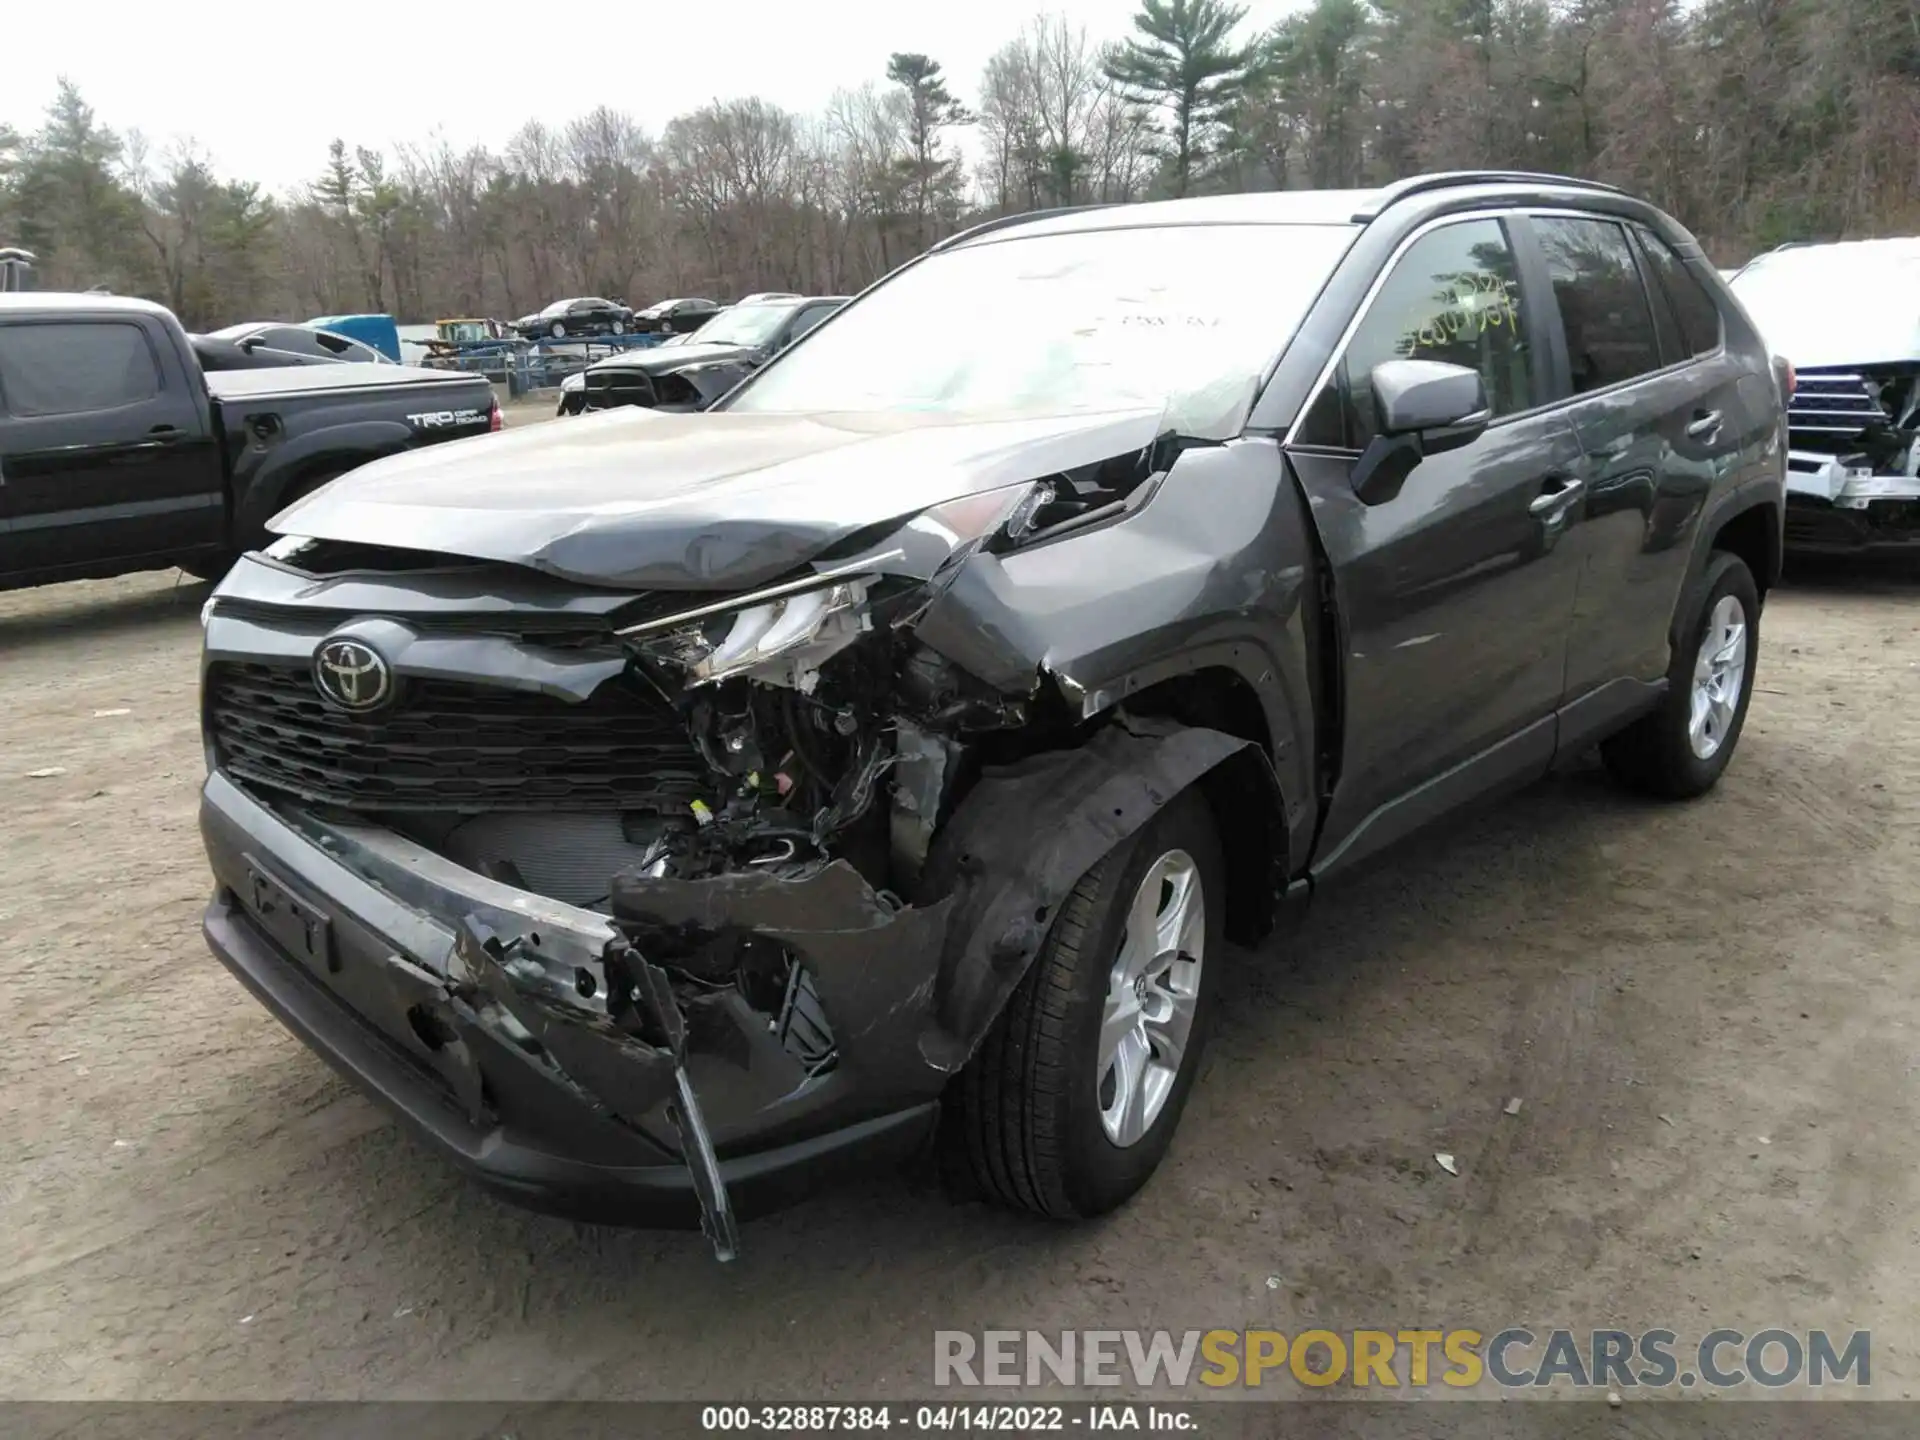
pixel 1603 304
pixel 74 368
pixel 1693 307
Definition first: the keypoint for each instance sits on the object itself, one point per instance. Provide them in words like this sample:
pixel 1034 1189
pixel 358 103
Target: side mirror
pixel 1425 408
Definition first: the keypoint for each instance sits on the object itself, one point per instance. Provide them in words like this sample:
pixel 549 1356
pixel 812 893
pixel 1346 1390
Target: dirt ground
pixel 1710 1012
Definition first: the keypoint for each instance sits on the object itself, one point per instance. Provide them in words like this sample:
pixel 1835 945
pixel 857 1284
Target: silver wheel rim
pixel 1151 994
pixel 1719 677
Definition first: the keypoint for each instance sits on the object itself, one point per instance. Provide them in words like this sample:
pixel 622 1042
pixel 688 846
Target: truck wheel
pixel 1679 750
pixel 557 330
pixel 1073 1097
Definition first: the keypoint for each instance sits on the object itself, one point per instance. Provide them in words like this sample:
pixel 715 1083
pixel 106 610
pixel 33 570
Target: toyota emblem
pixel 352 675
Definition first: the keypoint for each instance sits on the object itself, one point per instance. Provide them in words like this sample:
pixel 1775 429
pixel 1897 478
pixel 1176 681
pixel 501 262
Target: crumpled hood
pixel 639 499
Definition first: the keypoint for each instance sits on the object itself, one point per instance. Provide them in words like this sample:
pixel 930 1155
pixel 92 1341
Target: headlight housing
pixel 782 635
pixel 785 638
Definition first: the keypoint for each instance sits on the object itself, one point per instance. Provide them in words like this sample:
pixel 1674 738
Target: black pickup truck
pixel 667 813
pixel 119 452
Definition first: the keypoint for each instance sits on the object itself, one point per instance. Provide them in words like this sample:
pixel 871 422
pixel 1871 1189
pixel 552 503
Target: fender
pixel 1214 570
pixel 1006 880
pixel 1756 494
pixel 911 990
pixel 264 472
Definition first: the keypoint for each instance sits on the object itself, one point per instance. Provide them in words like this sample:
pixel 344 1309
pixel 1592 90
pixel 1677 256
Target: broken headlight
pixel 783 635
pixel 786 638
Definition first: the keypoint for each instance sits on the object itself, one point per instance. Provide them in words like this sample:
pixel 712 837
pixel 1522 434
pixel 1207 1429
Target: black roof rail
pixel 986 227
pixel 1448 179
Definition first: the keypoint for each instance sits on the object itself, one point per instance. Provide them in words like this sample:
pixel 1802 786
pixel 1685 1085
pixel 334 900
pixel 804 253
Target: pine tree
pixel 1182 60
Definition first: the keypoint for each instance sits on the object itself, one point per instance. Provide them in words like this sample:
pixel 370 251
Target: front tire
pixel 1071 1101
pixel 1681 749
pixel 557 330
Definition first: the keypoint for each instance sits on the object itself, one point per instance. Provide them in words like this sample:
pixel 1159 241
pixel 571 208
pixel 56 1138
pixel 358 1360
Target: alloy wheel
pixel 1719 677
pixel 1152 993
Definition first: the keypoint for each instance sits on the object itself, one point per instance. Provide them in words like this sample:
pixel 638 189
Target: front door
pixel 1457 593
pixel 103 460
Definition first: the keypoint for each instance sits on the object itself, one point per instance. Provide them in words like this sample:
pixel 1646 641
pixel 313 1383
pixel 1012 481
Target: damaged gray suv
pixel 664 814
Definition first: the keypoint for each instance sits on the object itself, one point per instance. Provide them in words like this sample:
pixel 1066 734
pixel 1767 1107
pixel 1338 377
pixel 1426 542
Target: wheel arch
pixel 278 480
pixel 1007 877
pixel 1243 791
pixel 1753 532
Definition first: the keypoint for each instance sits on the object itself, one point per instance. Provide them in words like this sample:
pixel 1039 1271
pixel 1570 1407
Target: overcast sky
pixel 264 86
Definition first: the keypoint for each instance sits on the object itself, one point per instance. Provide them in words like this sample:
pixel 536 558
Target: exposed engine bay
pixel 818 725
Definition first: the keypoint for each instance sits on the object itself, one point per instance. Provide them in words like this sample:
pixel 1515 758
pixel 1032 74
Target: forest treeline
pixel 1754 121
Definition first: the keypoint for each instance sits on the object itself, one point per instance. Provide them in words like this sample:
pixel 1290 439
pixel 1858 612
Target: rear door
pixel 1656 403
pixel 1457 593
pixel 104 448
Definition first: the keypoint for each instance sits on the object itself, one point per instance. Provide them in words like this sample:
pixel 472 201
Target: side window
pixel 1699 316
pixel 75 368
pixel 1603 304
pixel 1454 297
pixel 807 319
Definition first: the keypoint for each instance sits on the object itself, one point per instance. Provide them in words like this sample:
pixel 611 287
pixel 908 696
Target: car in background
pixel 694 371
pixel 124 450
pixel 676 317
pixel 1844 316
pixel 583 315
pixel 263 344
pixel 379 332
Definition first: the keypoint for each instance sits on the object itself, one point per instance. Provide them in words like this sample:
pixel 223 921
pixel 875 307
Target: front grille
pixel 606 389
pixel 1831 411
pixel 454 747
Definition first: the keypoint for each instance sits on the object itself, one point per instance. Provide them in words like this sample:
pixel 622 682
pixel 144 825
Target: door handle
pixel 1705 425
pixel 1560 492
pixel 164 434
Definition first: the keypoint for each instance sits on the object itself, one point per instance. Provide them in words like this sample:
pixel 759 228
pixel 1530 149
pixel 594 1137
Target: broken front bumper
pixel 1834 508
pixel 605 1069
pixel 343 933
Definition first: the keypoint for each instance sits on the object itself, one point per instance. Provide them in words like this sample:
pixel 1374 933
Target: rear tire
pixel 1032 1119
pixel 1681 749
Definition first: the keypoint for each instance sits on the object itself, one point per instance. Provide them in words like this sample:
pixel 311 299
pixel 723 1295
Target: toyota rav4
pixel 665 813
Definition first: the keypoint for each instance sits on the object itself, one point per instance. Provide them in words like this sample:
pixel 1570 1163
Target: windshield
pixel 742 325
pixel 558 307
pixel 1836 304
pixel 1183 318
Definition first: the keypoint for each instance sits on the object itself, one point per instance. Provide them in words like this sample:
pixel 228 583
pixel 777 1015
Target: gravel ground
pixel 1709 1012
